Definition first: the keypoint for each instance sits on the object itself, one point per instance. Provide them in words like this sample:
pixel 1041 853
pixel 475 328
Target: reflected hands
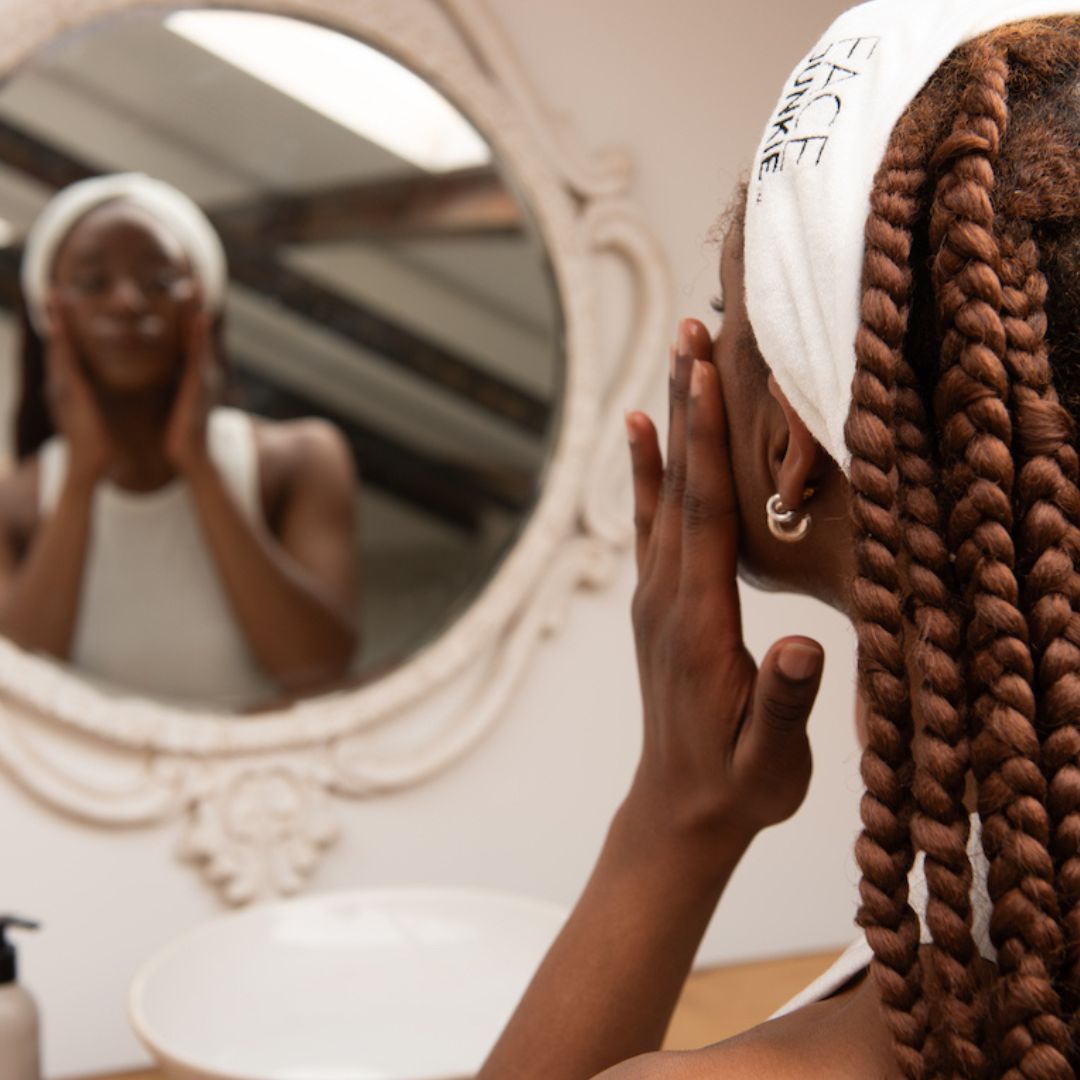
pixel 74 408
pixel 725 743
pixel 185 434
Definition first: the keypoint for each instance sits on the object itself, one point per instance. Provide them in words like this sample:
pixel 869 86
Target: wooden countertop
pixel 715 1004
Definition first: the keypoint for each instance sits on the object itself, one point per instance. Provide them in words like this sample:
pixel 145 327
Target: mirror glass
pixel 391 329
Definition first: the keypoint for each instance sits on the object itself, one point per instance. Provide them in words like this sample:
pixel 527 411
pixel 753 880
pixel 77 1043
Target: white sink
pixel 404 984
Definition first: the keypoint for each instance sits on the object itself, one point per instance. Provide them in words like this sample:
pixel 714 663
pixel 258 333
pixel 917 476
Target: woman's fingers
pixel 694 339
pixel 773 749
pixel 63 375
pixel 660 488
pixel 710 523
pixel 648 473
pixel 58 345
pixel 196 381
pixel 198 337
pixel 786 687
pixel 668 526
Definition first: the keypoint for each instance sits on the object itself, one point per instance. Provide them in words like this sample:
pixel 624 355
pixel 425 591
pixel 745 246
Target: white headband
pixel 176 212
pixel 810 190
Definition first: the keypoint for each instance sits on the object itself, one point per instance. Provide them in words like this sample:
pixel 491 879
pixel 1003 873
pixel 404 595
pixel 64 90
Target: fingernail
pixel 799 662
pixel 631 431
pixel 684 341
pixel 697 378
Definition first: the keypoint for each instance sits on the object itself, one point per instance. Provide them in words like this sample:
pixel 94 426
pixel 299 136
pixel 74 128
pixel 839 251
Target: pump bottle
pixel 19 1046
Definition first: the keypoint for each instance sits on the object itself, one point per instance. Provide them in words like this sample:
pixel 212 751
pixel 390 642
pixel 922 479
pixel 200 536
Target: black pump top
pixel 8 966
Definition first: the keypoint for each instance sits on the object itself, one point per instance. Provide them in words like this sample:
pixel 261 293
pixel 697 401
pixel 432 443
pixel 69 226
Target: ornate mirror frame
pixel 256 795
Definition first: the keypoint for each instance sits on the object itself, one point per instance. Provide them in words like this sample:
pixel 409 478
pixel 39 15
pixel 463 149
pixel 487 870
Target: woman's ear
pixel 800 462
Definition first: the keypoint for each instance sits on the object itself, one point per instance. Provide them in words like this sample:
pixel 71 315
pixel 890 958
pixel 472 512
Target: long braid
pixel 966 516
pixel 1048 509
pixel 884 849
pixel 939 826
pixel 942 751
pixel 971 401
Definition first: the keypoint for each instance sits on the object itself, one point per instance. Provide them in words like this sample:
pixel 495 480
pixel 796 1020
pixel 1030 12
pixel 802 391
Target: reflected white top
pixel 153 615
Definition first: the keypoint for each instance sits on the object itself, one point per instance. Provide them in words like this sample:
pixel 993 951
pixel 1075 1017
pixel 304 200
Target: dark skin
pixel 131 380
pixel 724 753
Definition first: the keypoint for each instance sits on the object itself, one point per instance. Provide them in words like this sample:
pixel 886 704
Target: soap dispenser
pixel 19 1053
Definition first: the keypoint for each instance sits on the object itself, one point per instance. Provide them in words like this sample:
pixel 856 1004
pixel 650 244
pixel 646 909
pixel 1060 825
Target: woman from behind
pixel 887 420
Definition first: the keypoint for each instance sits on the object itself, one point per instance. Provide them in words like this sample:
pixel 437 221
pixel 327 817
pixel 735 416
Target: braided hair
pixel 966 518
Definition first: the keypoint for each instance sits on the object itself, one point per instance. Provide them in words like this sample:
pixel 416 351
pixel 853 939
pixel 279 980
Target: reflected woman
pixel 155 539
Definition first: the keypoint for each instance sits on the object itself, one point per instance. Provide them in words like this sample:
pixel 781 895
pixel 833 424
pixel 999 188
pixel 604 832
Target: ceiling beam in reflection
pixel 26 153
pixel 337 312
pixel 256 267
pixel 456 493
pixel 466 203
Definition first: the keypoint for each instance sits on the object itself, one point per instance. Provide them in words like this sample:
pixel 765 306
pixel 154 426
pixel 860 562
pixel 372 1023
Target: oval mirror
pixel 390 319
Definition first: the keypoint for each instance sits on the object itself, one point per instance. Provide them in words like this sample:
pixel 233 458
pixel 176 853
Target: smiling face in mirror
pixel 186 455
pixel 123 287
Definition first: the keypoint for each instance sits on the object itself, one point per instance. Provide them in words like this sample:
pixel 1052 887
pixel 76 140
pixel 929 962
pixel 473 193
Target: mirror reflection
pixel 283 358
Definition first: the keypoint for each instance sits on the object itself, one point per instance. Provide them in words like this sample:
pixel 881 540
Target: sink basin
pixel 403 984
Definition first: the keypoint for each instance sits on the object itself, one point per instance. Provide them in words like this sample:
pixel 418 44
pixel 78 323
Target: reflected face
pixel 125 289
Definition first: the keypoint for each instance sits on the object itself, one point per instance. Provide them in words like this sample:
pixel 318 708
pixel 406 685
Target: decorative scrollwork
pixel 255 797
pixel 258 827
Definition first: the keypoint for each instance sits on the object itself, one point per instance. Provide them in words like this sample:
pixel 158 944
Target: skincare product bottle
pixel 19 1051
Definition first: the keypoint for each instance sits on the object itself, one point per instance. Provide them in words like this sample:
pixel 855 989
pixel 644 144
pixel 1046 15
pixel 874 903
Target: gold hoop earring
pixel 787 525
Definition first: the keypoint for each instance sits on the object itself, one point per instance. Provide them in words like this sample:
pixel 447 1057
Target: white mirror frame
pixel 255 794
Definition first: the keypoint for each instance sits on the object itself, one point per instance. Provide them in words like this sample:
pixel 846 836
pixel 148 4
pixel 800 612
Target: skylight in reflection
pixel 348 82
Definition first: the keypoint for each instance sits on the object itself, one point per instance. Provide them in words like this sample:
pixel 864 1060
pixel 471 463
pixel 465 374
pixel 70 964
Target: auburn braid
pixel 939 825
pixel 1040 208
pixel 966 518
pixel 972 404
pixel 1048 509
pixel 884 849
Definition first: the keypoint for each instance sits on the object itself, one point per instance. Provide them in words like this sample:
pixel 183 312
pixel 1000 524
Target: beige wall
pixel 686 85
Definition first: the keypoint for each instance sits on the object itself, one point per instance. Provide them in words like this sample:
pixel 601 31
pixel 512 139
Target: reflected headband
pixel 180 216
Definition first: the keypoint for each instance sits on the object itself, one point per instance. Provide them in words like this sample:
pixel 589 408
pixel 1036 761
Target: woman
pixel 157 541
pixel 887 421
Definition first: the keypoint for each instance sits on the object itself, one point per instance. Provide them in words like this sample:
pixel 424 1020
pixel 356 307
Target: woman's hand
pixel 725 743
pixel 185 435
pixel 72 405
pixel 725 754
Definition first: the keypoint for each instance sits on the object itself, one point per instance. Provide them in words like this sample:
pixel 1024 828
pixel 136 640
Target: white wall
pixel 686 85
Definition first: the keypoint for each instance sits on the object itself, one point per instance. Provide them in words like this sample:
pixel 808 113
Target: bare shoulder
pixel 843 1038
pixel 19 503
pixel 309 454
pixel 307 443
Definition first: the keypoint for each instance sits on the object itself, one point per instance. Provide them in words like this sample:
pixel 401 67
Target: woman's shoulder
pixel 842 1038
pixel 305 437
pixel 307 454
pixel 20 499
pixel 298 448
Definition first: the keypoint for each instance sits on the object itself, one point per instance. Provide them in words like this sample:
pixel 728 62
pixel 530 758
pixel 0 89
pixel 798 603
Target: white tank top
pixel 859 954
pixel 153 615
